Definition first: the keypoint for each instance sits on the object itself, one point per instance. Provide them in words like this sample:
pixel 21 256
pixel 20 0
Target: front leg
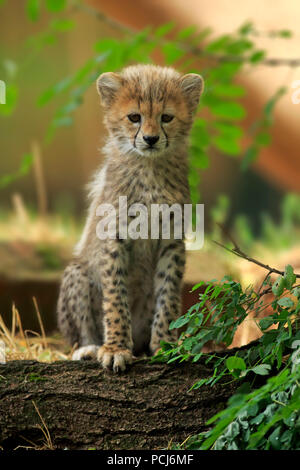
pixel 116 351
pixel 167 290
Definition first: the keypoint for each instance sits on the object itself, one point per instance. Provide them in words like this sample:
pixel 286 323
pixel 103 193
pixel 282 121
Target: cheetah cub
pixel 119 294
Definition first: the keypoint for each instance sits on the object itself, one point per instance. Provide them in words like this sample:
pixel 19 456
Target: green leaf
pixel 249 157
pixel 244 389
pixel 278 286
pixel 246 28
pixel 219 44
pixel 63 24
pixel 228 110
pixel 285 33
pixel 289 276
pixel 70 107
pixel 186 32
pixel 188 343
pixel 261 369
pixel 33 9
pixel 172 52
pixel 228 90
pixel 200 135
pixel 173 359
pixel 233 430
pixel 179 322
pixel 25 165
pixel 257 56
pixel 235 362
pixel 239 46
pixel 258 419
pixel 263 139
pixel 296 292
pixel 229 129
pixel 107 44
pixel 56 5
pixel 268 109
pixel 275 438
pixel 54 90
pixel 225 71
pixel 11 96
pixel 197 357
pixel 196 286
pixel 286 302
pixel 266 322
pixel 62 121
pixel 226 144
pixel 199 158
pixel 164 29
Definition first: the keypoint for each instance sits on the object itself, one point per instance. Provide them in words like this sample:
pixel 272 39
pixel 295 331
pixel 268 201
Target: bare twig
pixel 264 280
pixel 40 322
pixel 241 254
pixel 238 252
pixel 101 17
pixel 44 429
pixel 270 62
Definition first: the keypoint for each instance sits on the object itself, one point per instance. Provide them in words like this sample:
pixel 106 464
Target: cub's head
pixel 149 109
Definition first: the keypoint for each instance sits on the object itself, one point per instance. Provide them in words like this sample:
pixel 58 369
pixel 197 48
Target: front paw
pixel 85 352
pixel 114 357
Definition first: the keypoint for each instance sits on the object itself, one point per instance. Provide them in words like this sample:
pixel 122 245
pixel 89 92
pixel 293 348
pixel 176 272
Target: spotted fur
pixel 118 296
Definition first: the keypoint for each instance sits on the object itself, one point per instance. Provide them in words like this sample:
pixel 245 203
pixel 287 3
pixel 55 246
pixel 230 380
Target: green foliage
pixel 225 58
pixel 267 417
pixel 220 102
pixel 56 5
pixel 33 7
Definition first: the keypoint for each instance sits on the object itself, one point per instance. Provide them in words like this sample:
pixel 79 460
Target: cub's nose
pixel 151 139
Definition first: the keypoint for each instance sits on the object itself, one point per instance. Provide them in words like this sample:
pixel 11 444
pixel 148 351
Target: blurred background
pixel 245 164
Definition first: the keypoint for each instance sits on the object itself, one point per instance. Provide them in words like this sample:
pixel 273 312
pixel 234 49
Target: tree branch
pixel 238 252
pixel 197 51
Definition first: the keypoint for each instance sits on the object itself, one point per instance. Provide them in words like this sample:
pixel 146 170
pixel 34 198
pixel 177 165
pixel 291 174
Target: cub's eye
pixel 134 117
pixel 167 117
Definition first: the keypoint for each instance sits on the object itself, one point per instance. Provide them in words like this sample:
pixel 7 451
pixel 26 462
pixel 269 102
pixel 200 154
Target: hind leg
pixel 79 310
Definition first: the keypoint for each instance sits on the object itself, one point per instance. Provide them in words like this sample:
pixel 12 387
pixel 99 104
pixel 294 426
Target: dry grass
pixel 46 443
pixel 23 344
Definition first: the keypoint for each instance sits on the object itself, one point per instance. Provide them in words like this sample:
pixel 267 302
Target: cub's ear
pixel 108 85
pixel 192 86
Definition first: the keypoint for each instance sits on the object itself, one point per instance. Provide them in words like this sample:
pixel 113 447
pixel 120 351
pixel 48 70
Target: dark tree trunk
pixel 83 407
